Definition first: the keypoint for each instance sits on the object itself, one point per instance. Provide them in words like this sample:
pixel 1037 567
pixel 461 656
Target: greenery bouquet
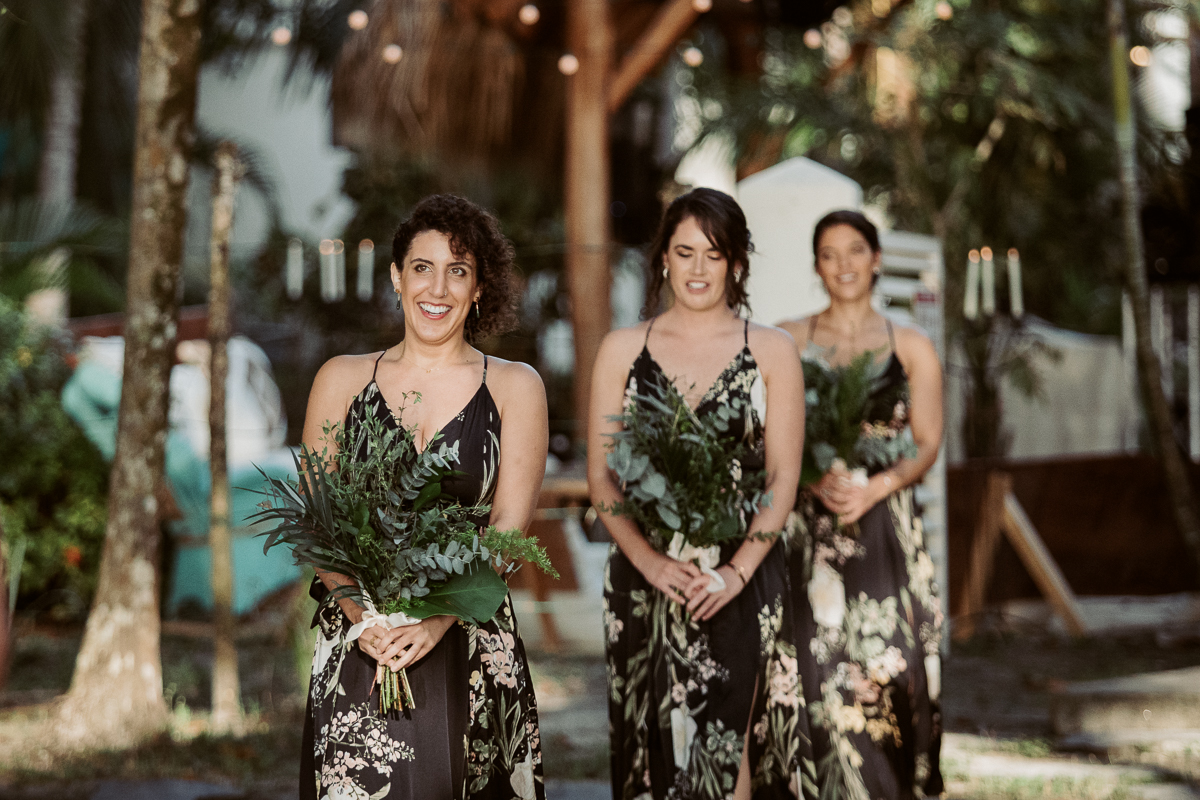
pixel 375 511
pixel 837 427
pixel 684 484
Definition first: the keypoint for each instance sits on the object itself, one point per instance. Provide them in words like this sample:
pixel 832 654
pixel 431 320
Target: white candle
pixel 988 304
pixel 294 273
pixel 366 269
pixel 339 269
pixel 971 293
pixel 1016 297
pixel 328 281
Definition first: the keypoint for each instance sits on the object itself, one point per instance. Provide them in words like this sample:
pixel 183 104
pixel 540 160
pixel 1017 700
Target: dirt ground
pixel 996 699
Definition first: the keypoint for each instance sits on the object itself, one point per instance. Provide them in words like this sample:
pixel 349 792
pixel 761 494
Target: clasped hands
pixel 684 583
pixel 848 497
pixel 404 646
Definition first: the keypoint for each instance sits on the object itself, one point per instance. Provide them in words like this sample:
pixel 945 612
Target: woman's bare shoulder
pixel 513 378
pixel 345 374
pixel 797 327
pixel 770 340
pixel 622 345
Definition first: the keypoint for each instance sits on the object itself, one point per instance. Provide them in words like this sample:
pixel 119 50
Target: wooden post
pixel 586 191
pixel 226 695
pixel 999 512
pixel 1042 568
pixel 983 553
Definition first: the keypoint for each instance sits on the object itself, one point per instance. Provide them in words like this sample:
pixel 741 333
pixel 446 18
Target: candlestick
pixel 1016 297
pixel 971 294
pixel 988 303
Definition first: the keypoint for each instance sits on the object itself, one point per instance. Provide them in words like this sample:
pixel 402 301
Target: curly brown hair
pixel 724 223
pixel 475 231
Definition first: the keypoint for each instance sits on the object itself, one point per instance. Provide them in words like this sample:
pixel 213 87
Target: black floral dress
pixel 682 693
pixel 868 611
pixel 474 731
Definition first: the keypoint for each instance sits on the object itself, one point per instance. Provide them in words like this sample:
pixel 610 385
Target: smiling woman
pixel 472 730
pixel 705 700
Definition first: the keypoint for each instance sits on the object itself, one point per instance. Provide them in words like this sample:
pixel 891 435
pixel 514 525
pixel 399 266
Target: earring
pixel 666 273
pixel 398 304
pixel 476 309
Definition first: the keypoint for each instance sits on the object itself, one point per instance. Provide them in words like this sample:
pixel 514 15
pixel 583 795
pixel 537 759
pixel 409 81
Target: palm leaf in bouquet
pixel 376 510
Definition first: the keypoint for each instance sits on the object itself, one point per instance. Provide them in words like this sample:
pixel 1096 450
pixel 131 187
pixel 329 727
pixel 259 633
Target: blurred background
pixel 978 134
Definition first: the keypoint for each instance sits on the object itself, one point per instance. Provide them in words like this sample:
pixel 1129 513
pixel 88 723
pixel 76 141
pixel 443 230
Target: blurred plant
pixel 53 482
pixel 979 123
pixel 31 232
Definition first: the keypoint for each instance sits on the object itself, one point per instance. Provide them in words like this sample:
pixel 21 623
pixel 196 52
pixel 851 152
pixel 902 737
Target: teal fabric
pixel 92 397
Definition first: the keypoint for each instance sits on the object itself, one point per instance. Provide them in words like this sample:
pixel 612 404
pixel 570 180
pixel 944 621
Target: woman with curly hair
pixel 473 732
pixel 704 694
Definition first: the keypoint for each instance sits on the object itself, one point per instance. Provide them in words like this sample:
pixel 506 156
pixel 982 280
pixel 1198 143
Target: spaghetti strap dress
pixel 474 731
pixel 683 693
pixel 870 620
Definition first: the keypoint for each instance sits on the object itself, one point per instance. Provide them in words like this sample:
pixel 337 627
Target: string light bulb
pixel 701 6
pixel 1140 55
pixel 357 20
pixel 568 64
pixel 812 38
pixel 392 54
pixel 944 11
pixel 281 36
pixel 693 57
pixel 529 14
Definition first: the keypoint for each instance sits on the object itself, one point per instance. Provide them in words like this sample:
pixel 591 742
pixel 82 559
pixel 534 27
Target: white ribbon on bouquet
pixel 707 558
pixel 372 617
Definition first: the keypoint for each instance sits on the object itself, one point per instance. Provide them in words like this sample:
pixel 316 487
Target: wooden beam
pixel 983 554
pixel 1045 572
pixel 668 25
pixel 586 191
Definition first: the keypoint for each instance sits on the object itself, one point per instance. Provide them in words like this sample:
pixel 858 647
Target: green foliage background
pixel 53 481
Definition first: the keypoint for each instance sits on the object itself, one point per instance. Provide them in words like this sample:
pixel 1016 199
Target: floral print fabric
pixel 868 611
pixel 683 694
pixel 474 732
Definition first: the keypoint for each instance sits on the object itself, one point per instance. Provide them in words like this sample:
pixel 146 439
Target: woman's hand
pixel 847 498
pixel 669 576
pixel 406 645
pixel 703 604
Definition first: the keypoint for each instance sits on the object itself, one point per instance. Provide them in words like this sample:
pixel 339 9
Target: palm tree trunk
pixel 226 696
pixel 60 151
pixel 5 633
pixel 116 695
pixel 1179 488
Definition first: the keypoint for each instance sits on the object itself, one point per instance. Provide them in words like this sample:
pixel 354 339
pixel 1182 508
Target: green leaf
pixel 473 596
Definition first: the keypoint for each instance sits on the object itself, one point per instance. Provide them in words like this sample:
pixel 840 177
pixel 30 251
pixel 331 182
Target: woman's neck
pixel 850 317
pixel 708 320
pixel 431 355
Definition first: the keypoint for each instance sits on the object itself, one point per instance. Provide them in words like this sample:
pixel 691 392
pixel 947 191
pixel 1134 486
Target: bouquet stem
pixel 395 693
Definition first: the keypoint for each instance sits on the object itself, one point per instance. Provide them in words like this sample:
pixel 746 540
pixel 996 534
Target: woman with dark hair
pixel 473 732
pixel 704 703
pixel 866 604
